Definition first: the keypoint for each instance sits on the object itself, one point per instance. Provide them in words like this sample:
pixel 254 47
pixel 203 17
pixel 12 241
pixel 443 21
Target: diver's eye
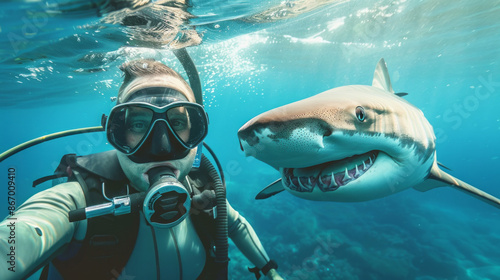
pixel 360 114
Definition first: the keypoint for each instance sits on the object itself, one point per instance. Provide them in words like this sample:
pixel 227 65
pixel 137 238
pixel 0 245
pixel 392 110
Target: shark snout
pixel 283 131
pixel 288 140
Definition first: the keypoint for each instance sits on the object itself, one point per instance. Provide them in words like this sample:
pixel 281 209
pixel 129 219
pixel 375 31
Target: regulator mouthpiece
pixel 167 202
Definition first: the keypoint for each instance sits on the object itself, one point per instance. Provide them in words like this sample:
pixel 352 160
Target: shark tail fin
pixel 439 178
pixel 274 188
pixel 381 77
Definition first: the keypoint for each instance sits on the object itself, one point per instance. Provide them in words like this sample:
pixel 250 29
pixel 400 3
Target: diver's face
pixel 137 172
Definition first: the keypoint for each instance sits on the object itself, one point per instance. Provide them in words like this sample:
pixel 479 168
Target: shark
pixel 350 144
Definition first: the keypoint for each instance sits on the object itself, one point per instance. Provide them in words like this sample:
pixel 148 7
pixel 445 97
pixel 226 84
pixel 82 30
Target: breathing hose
pixel 221 224
pixel 48 137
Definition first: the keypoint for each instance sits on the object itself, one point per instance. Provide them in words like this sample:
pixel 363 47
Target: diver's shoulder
pixel 68 187
pixel 70 192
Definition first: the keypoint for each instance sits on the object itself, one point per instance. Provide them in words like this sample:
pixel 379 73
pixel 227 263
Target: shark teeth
pixel 300 184
pixel 346 175
pixel 357 171
pixel 327 182
pixel 354 168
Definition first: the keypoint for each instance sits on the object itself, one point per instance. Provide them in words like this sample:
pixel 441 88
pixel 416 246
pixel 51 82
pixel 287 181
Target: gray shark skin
pixel 348 144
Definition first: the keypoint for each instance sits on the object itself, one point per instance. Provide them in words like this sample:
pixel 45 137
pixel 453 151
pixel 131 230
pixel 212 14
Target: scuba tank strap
pixel 69 168
pixel 79 178
pixel 48 178
pixel 64 169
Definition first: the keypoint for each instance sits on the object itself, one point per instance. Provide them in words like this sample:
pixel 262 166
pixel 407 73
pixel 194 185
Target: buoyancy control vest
pixel 110 240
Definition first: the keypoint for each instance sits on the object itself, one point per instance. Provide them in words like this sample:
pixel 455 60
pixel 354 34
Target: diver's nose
pixel 161 143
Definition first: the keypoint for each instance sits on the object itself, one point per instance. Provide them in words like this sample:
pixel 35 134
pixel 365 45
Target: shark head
pixel 351 143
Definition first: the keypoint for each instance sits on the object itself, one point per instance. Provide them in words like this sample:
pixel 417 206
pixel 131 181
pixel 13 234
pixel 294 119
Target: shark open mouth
pixel 332 174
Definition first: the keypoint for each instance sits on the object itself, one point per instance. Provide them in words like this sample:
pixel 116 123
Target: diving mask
pixel 149 131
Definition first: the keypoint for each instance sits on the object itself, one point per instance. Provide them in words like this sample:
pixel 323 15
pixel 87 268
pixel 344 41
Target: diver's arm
pixel 245 238
pixel 40 228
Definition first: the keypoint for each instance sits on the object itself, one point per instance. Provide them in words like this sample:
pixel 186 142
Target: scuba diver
pixel 141 211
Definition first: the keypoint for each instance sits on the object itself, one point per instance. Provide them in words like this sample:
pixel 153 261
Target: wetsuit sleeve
pixel 39 227
pixel 245 238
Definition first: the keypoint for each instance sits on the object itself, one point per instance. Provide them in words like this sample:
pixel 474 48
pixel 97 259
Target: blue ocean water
pixel 59 71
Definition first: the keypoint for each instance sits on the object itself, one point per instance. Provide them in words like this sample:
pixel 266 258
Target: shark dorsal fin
pixel 381 77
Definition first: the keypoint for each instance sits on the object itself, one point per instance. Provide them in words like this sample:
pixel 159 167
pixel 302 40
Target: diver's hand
pixel 273 275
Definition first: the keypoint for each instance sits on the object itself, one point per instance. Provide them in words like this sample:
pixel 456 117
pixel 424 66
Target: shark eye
pixel 360 114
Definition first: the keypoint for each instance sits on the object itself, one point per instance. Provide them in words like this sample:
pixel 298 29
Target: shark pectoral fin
pixel 429 184
pixel 434 181
pixel 274 188
pixel 438 177
pixel 381 77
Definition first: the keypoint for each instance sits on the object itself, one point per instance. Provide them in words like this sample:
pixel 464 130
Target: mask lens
pixel 188 123
pixel 137 122
pixel 128 126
